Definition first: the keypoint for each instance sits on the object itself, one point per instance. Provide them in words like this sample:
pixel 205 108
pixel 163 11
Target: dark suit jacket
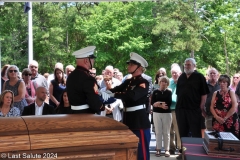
pixel 30 110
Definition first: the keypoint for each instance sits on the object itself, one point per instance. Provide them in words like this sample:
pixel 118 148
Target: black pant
pixel 189 122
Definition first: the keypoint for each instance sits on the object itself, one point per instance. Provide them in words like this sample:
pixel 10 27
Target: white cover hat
pixel 85 52
pixel 137 59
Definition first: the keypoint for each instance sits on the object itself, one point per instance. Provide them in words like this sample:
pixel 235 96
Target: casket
pixel 221 144
pixel 77 137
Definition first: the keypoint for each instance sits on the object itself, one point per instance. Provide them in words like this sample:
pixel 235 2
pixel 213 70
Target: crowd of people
pixel 181 105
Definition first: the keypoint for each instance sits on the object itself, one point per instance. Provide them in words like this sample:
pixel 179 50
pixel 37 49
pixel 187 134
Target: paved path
pixel 152 150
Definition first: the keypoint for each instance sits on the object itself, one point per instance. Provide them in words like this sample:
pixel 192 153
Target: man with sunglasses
pixel 82 88
pixel 38 78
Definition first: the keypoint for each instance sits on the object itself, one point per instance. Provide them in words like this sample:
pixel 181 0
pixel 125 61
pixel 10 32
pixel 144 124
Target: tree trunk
pixel 226 54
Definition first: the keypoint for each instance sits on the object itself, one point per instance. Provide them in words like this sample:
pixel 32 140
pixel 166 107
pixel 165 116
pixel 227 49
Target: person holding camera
pixel 162 116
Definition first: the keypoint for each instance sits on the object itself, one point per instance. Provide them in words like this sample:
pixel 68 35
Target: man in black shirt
pixel 191 93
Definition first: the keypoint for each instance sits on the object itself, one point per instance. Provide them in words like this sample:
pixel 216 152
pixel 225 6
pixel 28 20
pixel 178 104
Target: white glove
pixel 111 94
pixel 104 95
pixel 108 92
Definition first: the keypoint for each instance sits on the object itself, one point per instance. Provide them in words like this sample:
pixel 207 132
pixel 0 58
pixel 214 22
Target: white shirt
pixel 38 109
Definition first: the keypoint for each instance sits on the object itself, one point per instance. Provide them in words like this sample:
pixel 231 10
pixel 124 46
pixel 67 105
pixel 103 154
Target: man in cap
pixel 82 88
pixel 133 92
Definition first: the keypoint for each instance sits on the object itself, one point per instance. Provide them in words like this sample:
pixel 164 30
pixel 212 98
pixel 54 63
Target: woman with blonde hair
pixel 6 105
pixel 234 81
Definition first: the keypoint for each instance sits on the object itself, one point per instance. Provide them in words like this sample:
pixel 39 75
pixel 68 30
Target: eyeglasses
pixel 27 74
pixel 33 66
pixel 11 71
pixel 236 77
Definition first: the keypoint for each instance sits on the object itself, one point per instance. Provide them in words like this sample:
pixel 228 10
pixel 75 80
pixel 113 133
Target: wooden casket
pixel 66 137
pixel 226 146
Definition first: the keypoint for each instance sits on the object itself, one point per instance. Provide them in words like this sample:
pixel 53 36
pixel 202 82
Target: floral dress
pixel 222 105
pixel 13 112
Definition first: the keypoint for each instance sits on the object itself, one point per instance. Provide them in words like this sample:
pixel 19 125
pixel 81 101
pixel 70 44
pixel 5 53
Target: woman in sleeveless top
pixel 31 86
pixel 17 86
pixel 56 87
pixel 223 108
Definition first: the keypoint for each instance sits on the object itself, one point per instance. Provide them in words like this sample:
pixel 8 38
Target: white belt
pixel 85 106
pixel 130 109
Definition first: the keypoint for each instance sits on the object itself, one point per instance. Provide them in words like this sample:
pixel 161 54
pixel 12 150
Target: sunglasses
pixel 27 74
pixel 236 77
pixel 11 71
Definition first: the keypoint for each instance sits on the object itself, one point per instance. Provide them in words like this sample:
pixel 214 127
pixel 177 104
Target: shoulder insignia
pixel 142 85
pixel 95 88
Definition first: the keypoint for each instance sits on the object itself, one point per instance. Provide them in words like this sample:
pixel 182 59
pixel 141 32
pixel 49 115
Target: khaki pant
pixel 162 123
pixel 208 123
pixel 175 140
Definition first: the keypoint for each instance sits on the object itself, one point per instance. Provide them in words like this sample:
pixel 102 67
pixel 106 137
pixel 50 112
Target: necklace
pixel 223 93
pixel 5 111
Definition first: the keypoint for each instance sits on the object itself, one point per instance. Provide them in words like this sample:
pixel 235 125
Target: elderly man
pixel 191 93
pixel 40 80
pixel 39 107
pixel 133 92
pixel 109 71
pixel 174 133
pixel 82 88
pixel 212 86
pixel 69 69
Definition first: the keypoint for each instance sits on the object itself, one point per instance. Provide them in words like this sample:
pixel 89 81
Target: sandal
pixel 167 154
pixel 158 153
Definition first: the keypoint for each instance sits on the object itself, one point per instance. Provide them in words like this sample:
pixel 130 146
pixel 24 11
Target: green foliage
pixel 164 32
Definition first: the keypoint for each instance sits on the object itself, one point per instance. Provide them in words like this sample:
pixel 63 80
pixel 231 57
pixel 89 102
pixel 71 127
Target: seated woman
pixel 162 116
pixel 6 105
pixel 64 106
pixel 223 108
pixel 31 86
pixel 112 110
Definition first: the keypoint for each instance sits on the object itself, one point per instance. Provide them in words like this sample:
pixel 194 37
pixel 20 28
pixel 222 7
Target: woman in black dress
pixel 64 106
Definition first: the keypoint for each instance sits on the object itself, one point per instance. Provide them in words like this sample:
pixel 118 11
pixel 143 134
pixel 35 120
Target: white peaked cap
pixel 137 59
pixel 85 52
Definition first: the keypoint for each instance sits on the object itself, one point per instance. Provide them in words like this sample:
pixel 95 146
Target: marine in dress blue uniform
pixel 82 88
pixel 133 92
